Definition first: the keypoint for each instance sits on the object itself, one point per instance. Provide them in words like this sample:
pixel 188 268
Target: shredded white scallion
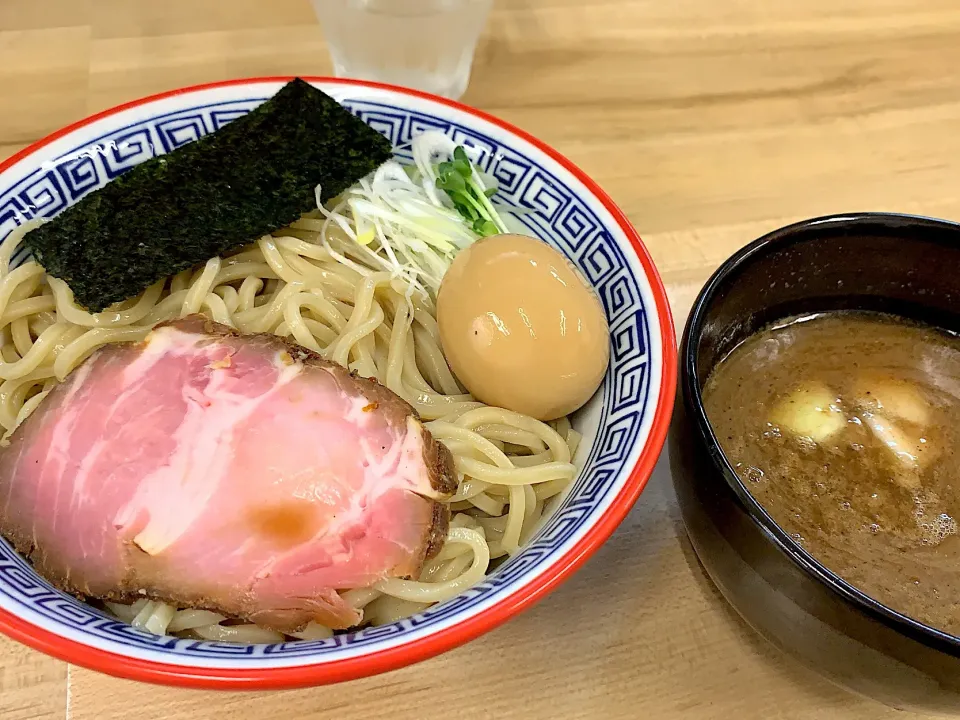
pixel 402 221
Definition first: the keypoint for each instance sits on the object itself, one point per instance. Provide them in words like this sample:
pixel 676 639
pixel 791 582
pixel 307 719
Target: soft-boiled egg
pixel 520 327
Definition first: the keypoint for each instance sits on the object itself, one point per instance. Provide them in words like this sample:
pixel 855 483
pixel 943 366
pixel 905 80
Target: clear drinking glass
pixel 423 44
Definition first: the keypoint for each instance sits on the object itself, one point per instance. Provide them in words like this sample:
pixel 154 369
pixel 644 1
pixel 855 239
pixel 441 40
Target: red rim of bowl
pixel 391 658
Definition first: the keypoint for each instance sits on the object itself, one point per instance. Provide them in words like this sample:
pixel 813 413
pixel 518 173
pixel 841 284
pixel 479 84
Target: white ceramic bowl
pixel 624 426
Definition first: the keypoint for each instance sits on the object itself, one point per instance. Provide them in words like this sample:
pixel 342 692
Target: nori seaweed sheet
pixel 173 212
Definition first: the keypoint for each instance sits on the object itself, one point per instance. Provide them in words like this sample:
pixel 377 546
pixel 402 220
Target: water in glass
pixel 423 44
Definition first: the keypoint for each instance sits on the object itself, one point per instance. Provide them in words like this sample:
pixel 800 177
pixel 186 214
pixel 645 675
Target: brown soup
pixel 843 427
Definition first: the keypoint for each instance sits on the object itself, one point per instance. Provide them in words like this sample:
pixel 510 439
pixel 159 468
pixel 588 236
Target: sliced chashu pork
pixel 236 473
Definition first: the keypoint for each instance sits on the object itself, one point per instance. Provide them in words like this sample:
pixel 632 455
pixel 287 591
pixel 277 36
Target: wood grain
pixel 32 686
pixel 710 123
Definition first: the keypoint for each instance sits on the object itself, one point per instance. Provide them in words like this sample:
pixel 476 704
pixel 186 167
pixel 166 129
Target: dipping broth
pixel 843 427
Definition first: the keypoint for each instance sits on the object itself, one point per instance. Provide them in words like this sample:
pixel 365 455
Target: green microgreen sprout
pixel 471 199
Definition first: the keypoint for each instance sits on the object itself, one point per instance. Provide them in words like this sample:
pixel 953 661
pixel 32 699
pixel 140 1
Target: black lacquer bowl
pixel 894 263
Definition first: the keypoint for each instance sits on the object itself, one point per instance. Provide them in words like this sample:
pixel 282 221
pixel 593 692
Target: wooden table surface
pixel 710 122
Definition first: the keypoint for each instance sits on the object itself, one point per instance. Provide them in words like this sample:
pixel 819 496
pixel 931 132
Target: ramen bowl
pixel 624 425
pixel 878 262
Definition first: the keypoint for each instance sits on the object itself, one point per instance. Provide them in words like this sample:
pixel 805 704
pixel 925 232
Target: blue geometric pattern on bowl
pixel 557 216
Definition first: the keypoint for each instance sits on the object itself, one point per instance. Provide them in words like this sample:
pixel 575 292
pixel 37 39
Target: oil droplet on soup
pixel 843 426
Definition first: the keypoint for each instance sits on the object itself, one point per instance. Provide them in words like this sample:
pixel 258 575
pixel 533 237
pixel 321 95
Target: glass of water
pixel 423 44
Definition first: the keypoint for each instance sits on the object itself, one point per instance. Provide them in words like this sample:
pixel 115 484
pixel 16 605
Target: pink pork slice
pixel 236 473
